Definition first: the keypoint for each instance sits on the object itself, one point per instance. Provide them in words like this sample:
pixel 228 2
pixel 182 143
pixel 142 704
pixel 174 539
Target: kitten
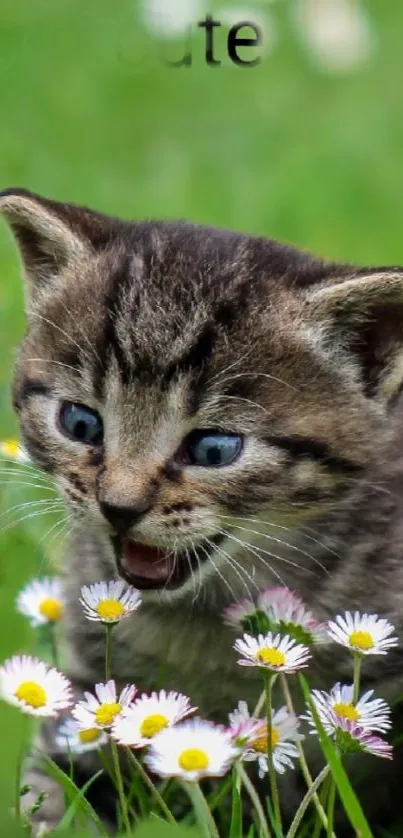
pixel 216 410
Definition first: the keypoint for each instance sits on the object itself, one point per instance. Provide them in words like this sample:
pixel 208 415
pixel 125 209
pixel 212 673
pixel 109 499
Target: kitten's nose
pixel 123 517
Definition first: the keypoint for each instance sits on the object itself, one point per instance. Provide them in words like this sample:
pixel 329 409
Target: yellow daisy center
pixel 91 734
pixel 346 711
pixel 270 657
pixel 110 609
pixel 361 640
pixel 106 713
pixel 152 725
pixel 10 448
pixel 51 608
pixel 261 743
pixel 193 759
pixel 32 694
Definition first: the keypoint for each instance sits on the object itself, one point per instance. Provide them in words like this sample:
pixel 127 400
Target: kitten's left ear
pixel 364 314
pixel 49 235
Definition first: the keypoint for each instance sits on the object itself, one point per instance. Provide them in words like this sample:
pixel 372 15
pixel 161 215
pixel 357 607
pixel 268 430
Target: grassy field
pixel 90 113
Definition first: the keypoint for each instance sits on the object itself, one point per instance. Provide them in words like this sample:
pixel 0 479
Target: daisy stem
pixel 150 785
pixel 204 817
pixel 302 760
pixel 272 774
pixel 330 808
pixel 53 645
pixel 292 832
pixel 119 786
pixel 357 669
pixel 19 766
pixel 255 800
pixel 108 651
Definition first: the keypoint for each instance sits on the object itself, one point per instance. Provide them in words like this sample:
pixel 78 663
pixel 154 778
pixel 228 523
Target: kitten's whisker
pixel 82 331
pixel 254 550
pixel 251 374
pixel 240 571
pixel 57 364
pixel 63 332
pixel 9 484
pixel 281 527
pixel 19 506
pixel 38 514
pixel 231 366
pixel 221 397
pixel 218 572
pixel 285 544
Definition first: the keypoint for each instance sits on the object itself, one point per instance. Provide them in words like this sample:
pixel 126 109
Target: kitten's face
pixel 178 384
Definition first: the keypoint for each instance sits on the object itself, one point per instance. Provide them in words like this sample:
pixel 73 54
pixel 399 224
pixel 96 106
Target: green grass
pixel 90 114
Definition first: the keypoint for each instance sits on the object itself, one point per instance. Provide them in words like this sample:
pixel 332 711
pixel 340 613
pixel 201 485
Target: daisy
pixel 101 710
pixel 287 614
pixel 369 714
pixel 272 651
pixel 352 738
pixel 148 715
pixel 12 449
pixel 76 740
pixel 243 728
pixel 42 601
pixel 365 634
pixel 246 615
pixel 109 602
pixel 192 750
pixel 283 734
pixel 34 687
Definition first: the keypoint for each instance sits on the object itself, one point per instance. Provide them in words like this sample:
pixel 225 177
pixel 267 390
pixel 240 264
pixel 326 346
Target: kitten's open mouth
pixel 148 567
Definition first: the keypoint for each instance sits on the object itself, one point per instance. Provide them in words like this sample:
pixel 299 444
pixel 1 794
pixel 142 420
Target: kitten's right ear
pixel 47 237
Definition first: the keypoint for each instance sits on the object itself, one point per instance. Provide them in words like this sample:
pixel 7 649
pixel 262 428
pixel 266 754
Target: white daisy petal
pixel 42 601
pixel 243 728
pixel 148 715
pixel 34 687
pixel 272 651
pixel 336 705
pixel 75 740
pixel 101 710
pixel 365 634
pixel 283 735
pixel 109 602
pixel 352 738
pixel 191 750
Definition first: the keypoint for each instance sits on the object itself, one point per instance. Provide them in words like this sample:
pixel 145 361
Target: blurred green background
pixel 299 149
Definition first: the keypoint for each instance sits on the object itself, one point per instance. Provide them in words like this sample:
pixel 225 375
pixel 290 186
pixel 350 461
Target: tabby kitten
pixel 216 410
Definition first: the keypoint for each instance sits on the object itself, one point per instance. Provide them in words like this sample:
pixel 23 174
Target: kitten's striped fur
pixel 167 327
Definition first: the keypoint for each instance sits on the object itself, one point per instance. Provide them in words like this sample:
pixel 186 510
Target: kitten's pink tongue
pixel 146 562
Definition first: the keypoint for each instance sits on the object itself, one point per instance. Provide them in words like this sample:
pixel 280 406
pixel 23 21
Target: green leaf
pixel 347 794
pixel 236 813
pixel 83 807
pixel 70 813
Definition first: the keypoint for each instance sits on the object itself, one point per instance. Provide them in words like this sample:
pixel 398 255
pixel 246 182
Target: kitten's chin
pixel 153 568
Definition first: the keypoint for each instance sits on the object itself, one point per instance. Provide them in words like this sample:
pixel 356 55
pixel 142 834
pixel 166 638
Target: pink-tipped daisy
pixel 368 713
pixel 281 740
pixel 287 614
pixel 272 651
pixel 33 686
pixel 243 728
pixel 244 614
pixel 109 602
pixel 148 715
pixel 192 750
pixel 352 738
pixel 42 601
pixel 365 634
pixel 102 709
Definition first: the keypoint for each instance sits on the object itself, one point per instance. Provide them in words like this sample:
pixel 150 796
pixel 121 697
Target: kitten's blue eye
pixel 81 423
pixel 211 448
